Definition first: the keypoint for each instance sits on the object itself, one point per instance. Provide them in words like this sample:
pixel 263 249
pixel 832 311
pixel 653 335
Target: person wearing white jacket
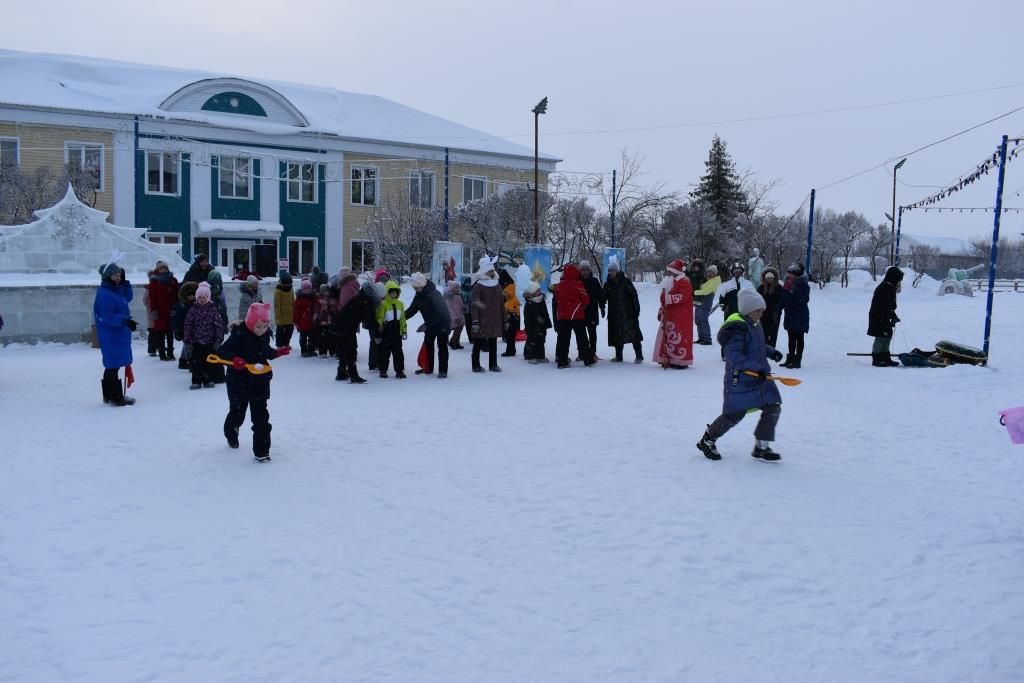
pixel 727 292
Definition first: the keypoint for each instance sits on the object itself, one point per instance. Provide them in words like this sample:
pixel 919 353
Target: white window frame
pixel 81 147
pixel 299 182
pixel 362 184
pixel 292 268
pixel 249 173
pixel 418 177
pixel 177 192
pixel 17 148
pixel 473 179
pixel 351 253
pixel 162 238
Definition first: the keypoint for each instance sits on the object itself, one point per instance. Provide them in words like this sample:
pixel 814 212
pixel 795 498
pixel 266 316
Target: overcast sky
pixel 688 69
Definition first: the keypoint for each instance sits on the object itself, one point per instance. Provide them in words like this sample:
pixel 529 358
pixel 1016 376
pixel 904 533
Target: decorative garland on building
pixel 963 181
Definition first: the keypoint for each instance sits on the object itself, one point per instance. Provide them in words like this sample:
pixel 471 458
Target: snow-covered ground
pixel 537 525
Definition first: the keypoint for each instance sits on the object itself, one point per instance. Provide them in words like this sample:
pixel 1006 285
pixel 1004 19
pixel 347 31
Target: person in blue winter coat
pixel 747 387
pixel 114 327
pixel 796 296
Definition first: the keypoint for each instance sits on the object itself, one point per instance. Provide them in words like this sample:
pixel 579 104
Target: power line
pixel 921 149
pixel 768 117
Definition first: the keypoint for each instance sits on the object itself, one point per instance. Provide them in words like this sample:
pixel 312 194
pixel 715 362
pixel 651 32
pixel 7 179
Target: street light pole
pixel 541 108
pixel 892 236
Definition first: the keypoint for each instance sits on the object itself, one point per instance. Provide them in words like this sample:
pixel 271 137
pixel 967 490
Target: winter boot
pixel 231 434
pixel 889 361
pixel 353 376
pixel 105 385
pixel 399 374
pixel 763 451
pixel 639 358
pixel 788 363
pixel 878 360
pixel 494 368
pixel 618 356
pixel 708 448
pixel 117 397
pixel 795 363
pixel 341 376
pixel 162 353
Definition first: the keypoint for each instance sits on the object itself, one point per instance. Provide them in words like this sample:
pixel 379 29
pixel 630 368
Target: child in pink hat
pixel 249 349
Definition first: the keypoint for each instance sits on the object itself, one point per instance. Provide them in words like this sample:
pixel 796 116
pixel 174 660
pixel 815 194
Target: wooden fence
pixel 1001 285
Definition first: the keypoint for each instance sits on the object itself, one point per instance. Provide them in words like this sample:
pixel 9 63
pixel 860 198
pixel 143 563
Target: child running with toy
pixel 248 381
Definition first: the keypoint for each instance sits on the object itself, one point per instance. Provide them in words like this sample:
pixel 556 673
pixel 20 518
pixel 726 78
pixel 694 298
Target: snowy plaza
pixel 537 525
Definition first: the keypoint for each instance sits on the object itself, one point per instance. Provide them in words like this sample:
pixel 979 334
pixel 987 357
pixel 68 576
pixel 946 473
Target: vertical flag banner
pixel 446 264
pixel 620 255
pixel 537 257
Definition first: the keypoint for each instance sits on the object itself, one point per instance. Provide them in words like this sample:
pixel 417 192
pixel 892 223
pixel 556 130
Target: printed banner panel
pixel 446 264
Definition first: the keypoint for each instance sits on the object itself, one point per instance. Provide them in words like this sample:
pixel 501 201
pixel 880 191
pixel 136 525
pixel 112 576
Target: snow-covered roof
pixel 88 84
pixel 951 246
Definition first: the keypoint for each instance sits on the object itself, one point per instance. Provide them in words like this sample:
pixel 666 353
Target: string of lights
pixel 967 179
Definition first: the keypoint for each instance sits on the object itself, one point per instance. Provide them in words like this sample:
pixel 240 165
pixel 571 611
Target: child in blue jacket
pixel 747 387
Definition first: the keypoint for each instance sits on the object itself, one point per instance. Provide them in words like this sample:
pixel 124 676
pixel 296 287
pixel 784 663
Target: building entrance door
pixel 235 254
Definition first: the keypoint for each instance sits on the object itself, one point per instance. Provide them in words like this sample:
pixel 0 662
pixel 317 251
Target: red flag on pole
pixel 129 376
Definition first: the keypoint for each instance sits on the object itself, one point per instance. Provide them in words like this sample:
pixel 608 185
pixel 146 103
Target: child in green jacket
pixel 391 322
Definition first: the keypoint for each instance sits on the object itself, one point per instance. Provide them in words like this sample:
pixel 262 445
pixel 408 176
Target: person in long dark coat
pixel 771 291
pixel 114 327
pixel 797 322
pixel 596 307
pixel 489 316
pixel 882 317
pixel 623 316
pixel 437 324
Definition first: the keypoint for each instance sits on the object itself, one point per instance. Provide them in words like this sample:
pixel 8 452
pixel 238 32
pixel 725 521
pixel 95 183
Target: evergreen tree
pixel 720 188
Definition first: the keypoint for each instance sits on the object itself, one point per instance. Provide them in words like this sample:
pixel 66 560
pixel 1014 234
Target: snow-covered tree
pixel 720 186
pixel 500 224
pixel 22 192
pixel 403 236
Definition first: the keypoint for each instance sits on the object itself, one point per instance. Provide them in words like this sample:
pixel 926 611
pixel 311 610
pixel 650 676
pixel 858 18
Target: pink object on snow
pixel 1013 420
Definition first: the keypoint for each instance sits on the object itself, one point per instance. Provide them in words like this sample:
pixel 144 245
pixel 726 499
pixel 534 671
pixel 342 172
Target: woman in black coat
pixel 771 291
pixel 437 323
pixel 623 314
pixel 882 317
pixel 795 299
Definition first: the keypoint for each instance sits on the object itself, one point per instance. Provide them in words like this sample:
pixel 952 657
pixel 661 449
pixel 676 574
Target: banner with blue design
pixel 619 254
pixel 537 258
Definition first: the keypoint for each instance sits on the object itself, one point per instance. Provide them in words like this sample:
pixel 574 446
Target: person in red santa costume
pixel 673 347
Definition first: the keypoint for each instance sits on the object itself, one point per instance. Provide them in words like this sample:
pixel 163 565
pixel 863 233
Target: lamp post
pixel 541 108
pixel 892 240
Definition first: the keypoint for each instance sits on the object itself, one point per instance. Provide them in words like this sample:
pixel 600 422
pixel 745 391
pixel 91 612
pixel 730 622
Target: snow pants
pixel 306 344
pixel 491 344
pixel 881 345
pixel 201 371
pixel 441 342
pixel 764 431
pixel 238 403
pixel 390 347
pixel 565 329
pixel 284 335
pixel 534 347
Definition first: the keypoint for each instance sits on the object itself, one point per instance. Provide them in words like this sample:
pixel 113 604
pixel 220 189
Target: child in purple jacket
pixel 204 328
